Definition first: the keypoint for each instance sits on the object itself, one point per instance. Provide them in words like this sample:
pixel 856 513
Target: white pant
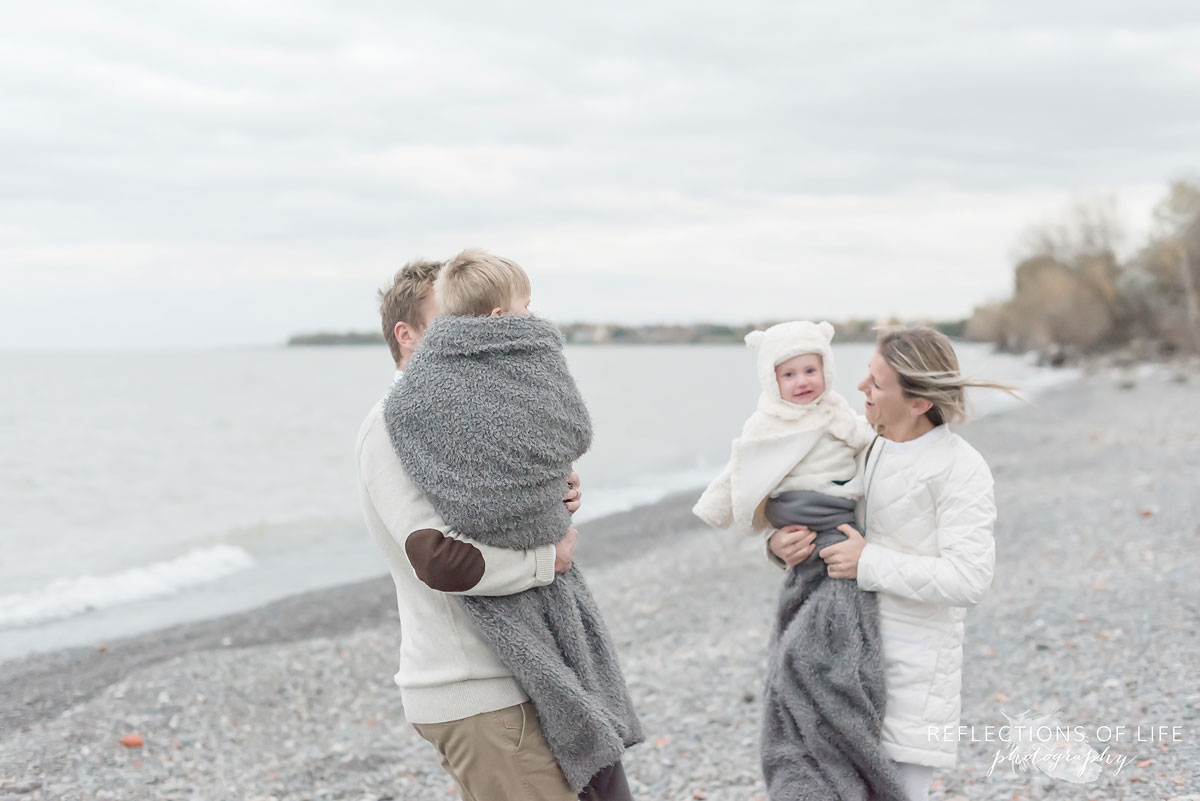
pixel 917 779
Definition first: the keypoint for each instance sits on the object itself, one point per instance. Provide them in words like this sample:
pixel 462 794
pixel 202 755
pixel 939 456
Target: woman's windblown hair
pixel 927 366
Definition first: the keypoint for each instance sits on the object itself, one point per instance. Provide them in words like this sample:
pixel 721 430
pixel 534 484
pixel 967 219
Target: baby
pixel 795 464
pixel 802 438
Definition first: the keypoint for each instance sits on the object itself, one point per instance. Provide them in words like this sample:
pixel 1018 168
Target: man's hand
pixel 842 559
pixel 792 544
pixel 564 551
pixel 574 495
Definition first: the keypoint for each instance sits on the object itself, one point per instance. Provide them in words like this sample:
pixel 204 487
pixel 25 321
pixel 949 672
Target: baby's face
pixel 801 378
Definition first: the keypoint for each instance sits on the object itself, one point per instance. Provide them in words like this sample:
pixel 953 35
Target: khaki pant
pixel 502 756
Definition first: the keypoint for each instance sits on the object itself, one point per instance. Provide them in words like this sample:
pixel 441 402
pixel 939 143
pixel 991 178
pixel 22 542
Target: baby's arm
pixel 715 506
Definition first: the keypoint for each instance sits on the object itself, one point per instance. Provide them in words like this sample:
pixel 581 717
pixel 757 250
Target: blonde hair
pixel 474 282
pixel 927 366
pixel 401 301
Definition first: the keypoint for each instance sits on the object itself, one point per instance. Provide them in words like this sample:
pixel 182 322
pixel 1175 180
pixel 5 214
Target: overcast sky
pixel 228 173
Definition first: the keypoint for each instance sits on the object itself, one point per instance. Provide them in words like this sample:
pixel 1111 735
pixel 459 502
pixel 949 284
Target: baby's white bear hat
pixel 778 344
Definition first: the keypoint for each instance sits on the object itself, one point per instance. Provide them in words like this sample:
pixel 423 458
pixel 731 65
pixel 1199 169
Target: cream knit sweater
pixel 447 672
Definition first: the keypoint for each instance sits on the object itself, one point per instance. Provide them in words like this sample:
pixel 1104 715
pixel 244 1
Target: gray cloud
pixel 672 161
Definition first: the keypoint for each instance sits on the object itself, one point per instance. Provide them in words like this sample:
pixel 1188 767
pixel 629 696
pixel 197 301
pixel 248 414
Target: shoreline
pixel 39 685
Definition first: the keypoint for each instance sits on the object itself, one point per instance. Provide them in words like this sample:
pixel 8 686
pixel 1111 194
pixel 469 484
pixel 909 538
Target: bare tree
pixel 1178 221
pixel 1090 227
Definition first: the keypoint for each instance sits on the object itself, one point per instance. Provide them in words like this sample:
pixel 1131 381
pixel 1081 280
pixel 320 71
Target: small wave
pixel 67 597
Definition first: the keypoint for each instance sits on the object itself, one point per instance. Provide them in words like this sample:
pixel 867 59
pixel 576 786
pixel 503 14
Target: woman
pixel 929 510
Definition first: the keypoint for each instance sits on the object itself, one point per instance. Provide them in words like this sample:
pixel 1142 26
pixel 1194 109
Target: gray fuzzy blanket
pixel 825 691
pixel 487 421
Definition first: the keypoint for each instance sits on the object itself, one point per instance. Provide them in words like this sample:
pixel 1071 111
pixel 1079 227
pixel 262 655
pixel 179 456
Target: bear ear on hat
pixel 826 329
pixel 755 338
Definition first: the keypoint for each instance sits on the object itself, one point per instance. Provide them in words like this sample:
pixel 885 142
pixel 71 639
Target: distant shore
pixel 655 334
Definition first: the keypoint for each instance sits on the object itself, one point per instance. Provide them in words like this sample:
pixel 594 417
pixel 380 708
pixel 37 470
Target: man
pixel 456 692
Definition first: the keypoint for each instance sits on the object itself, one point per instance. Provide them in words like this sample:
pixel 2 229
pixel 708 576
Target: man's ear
pixel 407 339
pixel 404 333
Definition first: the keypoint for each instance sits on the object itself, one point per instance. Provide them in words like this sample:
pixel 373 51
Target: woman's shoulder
pixel 959 460
pixel 960 448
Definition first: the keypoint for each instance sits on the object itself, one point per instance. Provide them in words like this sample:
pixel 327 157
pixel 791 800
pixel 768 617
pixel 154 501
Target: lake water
pixel 143 488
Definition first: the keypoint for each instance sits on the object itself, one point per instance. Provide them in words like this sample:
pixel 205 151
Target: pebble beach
pixel 1093 612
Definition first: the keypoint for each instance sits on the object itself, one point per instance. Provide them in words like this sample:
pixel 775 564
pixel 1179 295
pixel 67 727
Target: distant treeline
pixel 1072 296
pixel 716 333
pixel 615 334
pixel 334 338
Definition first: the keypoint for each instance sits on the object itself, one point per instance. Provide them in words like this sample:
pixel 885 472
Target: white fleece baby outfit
pixel 787 446
pixel 829 468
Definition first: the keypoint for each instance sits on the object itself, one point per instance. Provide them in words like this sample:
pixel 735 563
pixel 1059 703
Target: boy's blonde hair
pixel 474 282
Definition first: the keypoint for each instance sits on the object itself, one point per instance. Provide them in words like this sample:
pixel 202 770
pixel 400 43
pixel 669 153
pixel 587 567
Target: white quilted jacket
pixel 928 516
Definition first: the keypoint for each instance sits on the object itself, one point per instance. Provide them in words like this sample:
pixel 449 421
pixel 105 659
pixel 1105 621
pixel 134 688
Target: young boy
pixel 488 423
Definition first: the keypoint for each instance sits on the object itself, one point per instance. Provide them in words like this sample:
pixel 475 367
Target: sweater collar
pixel 933 435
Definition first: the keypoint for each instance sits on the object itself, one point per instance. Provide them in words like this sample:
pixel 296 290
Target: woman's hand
pixel 842 559
pixel 792 544
pixel 574 495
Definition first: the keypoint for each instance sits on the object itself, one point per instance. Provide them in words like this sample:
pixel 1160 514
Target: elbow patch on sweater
pixel 443 563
